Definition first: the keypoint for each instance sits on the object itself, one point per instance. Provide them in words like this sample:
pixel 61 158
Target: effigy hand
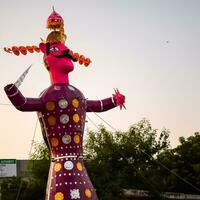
pixel 119 99
pixel 10 89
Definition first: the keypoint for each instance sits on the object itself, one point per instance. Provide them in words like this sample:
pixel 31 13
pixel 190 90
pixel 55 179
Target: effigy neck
pixel 59 78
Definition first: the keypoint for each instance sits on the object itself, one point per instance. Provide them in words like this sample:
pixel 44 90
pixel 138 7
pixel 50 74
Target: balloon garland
pixel 34 49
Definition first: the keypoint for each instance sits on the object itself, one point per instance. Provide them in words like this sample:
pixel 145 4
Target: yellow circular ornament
pixel 79 166
pixel 57 167
pixel 76 118
pixel 51 120
pixel 54 142
pixel 77 139
pixel 75 103
pixel 59 196
pixel 88 193
pixel 50 105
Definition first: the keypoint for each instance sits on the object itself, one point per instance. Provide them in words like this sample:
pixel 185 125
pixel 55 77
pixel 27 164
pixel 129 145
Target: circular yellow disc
pixel 88 193
pixel 51 120
pixel 75 103
pixel 77 139
pixel 79 166
pixel 76 118
pixel 57 167
pixel 54 142
pixel 50 105
pixel 59 196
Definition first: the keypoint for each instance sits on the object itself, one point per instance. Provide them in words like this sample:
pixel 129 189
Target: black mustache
pixel 65 54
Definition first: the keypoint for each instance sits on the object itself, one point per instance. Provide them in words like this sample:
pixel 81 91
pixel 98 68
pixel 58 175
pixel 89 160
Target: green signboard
pixel 7 161
pixel 8 168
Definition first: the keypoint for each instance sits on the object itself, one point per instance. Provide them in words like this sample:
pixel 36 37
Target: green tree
pixel 13 188
pixel 39 167
pixel 122 160
pixel 182 166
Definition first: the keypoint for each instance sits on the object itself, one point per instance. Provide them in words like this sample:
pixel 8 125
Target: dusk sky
pixel 148 49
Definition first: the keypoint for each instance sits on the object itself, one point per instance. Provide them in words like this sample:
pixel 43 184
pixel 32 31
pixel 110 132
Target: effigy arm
pixel 117 99
pixel 101 105
pixel 20 102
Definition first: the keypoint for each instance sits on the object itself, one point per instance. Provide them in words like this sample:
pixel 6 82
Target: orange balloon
pixel 87 62
pixel 30 49
pixel 81 59
pixel 37 49
pixel 15 50
pixel 23 50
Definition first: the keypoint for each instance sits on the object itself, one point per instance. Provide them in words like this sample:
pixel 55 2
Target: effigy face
pixel 58 60
pixel 56 56
pixel 63 119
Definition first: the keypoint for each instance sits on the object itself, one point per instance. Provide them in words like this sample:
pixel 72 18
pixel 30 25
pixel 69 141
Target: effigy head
pixel 57 56
pixel 54 49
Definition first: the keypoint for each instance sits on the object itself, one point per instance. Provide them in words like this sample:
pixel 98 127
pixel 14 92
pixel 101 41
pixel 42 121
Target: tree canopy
pixel 182 166
pixel 121 159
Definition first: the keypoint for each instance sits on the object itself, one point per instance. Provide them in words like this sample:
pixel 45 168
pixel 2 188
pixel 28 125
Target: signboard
pixel 8 168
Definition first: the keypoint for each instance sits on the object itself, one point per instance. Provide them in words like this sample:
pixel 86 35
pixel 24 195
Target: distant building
pixel 10 168
pixel 23 168
pixel 14 168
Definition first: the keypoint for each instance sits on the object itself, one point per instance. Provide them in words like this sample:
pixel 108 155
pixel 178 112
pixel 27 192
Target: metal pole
pixel 19 190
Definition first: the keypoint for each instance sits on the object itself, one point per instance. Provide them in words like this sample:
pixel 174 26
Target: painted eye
pixel 54 49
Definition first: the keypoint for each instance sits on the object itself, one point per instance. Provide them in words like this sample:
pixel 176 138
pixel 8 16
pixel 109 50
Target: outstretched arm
pixel 101 105
pixel 106 104
pixel 20 102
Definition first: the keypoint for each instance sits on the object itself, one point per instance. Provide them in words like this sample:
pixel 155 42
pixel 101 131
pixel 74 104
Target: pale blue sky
pixel 126 41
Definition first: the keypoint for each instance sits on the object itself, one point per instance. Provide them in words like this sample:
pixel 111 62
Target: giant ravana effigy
pixel 61 109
